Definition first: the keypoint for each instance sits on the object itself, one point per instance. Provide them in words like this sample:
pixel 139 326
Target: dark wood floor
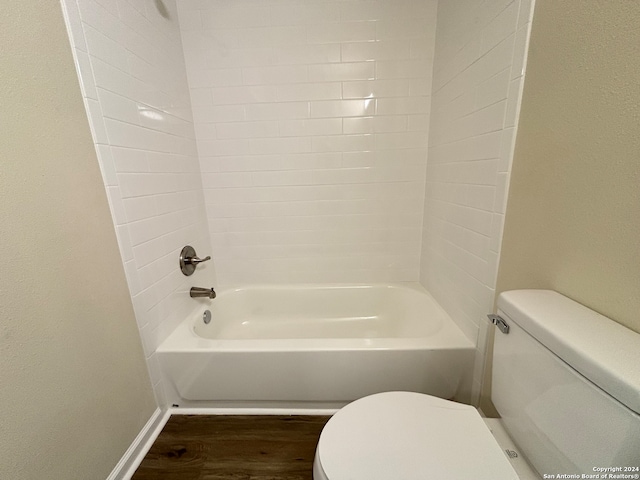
pixel 233 447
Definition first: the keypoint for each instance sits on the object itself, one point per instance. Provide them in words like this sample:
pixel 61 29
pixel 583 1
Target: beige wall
pixel 573 215
pixel 75 391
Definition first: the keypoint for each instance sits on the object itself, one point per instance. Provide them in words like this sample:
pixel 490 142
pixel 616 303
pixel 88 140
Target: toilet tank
pixel 566 382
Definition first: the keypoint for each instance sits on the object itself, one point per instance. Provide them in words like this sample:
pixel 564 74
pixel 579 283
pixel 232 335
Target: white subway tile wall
pixel 477 80
pixel 311 120
pixel 131 66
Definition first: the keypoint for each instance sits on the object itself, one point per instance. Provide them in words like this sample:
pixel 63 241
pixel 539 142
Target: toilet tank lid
pixel 605 352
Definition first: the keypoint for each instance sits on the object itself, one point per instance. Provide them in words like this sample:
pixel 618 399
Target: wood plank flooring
pixel 233 447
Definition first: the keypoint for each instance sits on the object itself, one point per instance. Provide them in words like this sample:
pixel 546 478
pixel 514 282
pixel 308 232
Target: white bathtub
pixel 315 345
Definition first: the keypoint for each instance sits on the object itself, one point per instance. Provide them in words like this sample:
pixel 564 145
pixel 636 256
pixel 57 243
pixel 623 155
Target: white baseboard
pixel 132 458
pixel 252 411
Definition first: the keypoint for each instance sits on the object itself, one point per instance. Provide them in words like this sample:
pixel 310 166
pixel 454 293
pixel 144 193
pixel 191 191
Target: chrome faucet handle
pixel 189 260
pixel 196 260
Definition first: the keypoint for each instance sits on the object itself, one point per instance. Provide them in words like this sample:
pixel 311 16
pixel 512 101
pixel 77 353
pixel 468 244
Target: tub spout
pixel 197 292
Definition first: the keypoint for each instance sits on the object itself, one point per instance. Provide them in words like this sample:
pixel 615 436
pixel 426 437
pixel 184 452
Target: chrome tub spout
pixel 198 292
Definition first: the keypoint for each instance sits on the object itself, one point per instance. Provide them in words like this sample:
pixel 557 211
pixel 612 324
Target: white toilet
pixel 566 382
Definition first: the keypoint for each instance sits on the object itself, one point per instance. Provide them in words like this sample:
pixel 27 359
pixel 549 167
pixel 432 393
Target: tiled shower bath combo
pixel 347 142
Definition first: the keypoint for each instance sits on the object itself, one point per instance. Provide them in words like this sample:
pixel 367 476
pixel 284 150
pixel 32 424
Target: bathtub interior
pixel 363 311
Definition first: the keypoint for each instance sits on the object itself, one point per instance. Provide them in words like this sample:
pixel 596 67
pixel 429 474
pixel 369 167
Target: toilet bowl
pixel 409 436
pixel 566 401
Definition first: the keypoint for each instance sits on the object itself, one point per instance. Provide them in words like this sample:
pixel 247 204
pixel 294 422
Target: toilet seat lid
pixel 409 436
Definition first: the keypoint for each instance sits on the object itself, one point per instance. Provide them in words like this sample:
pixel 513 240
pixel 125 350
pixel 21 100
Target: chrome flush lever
pixel 499 322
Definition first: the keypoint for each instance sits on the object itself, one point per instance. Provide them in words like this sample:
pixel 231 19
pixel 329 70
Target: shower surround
pixel 346 141
pixel 311 121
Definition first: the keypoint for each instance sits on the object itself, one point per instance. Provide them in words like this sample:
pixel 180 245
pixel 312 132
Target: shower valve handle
pixel 196 260
pixel 189 260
